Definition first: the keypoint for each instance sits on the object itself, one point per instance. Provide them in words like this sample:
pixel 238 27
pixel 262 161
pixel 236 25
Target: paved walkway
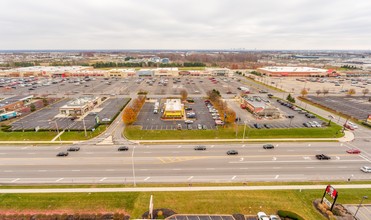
pixel 182 189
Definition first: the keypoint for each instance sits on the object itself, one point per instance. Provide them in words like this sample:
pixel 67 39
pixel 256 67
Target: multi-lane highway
pixel 181 163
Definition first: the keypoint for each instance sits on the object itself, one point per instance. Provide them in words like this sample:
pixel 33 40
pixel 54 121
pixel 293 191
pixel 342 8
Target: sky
pixel 185 24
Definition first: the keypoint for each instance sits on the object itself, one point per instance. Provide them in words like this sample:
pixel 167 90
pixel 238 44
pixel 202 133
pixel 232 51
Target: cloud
pixel 185 24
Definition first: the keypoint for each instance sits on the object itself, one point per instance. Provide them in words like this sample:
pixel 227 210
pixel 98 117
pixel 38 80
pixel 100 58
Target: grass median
pixel 136 133
pixel 203 202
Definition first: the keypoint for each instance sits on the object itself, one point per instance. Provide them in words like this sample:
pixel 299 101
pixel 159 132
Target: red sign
pixel 331 191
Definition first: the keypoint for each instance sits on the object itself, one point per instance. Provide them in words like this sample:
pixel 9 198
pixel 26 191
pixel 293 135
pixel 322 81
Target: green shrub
pixel 288 214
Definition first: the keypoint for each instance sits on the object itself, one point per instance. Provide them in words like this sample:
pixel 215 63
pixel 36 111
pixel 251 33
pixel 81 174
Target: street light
pixel 364 197
pixel 331 117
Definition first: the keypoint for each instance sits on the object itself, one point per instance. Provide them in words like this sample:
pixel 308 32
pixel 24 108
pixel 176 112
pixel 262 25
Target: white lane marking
pixel 234 177
pixel 274 158
pixel 57 147
pixel 179 146
pixel 210 168
pixel 191 177
pixel 341 144
pixel 276 145
pixel 75 170
pixel 15 180
pixel 244 168
pixel 59 179
pixel 143 169
pixel 337 158
pixel 177 169
pixel 276 176
pixel 306 158
pixel 241 159
pixel 212 146
pixel 104 178
pixel 147 178
pixel 276 168
pixel 309 145
pixel 24 148
pixel 3 153
pixel 8 171
pixel 41 170
pixel 243 145
pixel 110 169
pixel 31 153
pixel 364 157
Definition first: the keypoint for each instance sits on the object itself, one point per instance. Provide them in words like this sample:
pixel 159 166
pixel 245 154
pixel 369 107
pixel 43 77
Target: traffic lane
pixel 192 170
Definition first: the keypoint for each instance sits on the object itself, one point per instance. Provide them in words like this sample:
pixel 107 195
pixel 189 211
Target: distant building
pixel 219 71
pixel 174 109
pixel 166 72
pixel 165 60
pixel 121 73
pixel 278 71
pixel 14 103
pixel 145 73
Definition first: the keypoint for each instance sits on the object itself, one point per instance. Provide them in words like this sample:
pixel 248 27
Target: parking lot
pixel 364 212
pixel 46 119
pixel 150 121
pixel 358 107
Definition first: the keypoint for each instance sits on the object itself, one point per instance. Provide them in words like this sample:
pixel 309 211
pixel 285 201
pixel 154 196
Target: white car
pixel 366 169
pixel 352 124
pixel 274 217
pixel 263 216
pixel 188 121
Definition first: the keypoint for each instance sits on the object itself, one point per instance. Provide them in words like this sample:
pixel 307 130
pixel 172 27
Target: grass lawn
pixel 135 133
pixel 206 202
pixel 80 135
pixel 49 135
pixel 27 136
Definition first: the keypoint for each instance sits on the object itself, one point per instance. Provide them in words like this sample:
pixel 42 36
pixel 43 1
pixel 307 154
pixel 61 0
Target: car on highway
pixel 353 151
pixel 268 146
pixel 232 152
pixel 366 169
pixel 62 154
pixel 262 216
pixel 73 148
pixel 123 148
pixel 200 147
pixel 322 157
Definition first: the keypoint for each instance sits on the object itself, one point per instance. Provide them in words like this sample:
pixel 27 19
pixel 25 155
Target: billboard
pixel 331 191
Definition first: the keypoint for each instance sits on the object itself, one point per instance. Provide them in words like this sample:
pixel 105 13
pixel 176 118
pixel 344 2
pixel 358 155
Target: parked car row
pixel 312 124
pixel 214 113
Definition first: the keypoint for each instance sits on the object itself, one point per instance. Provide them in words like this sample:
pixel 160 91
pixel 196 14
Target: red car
pixel 353 151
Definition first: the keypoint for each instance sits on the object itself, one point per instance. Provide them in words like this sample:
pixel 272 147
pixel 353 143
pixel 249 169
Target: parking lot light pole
pixel 364 197
pixel 331 117
pixel 244 130
pixel 83 122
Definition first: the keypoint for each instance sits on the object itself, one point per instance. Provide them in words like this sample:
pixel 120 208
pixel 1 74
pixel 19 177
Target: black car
pixel 267 126
pixel 200 147
pixel 258 126
pixel 188 108
pixel 74 148
pixel 232 152
pixel 62 154
pixel 123 148
pixel 322 157
pixel 268 146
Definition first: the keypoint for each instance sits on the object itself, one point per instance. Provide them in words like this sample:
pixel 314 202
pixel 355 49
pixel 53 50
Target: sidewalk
pixel 182 189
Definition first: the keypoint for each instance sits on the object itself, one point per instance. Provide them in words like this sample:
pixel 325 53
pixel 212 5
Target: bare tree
pixel 365 91
pixel 183 94
pixel 318 92
pixel 325 91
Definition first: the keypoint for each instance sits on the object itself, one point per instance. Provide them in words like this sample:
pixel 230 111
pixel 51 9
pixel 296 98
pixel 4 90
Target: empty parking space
pixel 358 107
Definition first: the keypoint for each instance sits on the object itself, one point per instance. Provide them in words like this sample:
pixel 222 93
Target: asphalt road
pixel 180 163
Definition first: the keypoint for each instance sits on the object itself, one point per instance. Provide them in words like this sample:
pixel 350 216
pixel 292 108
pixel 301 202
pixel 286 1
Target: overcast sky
pixel 185 24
